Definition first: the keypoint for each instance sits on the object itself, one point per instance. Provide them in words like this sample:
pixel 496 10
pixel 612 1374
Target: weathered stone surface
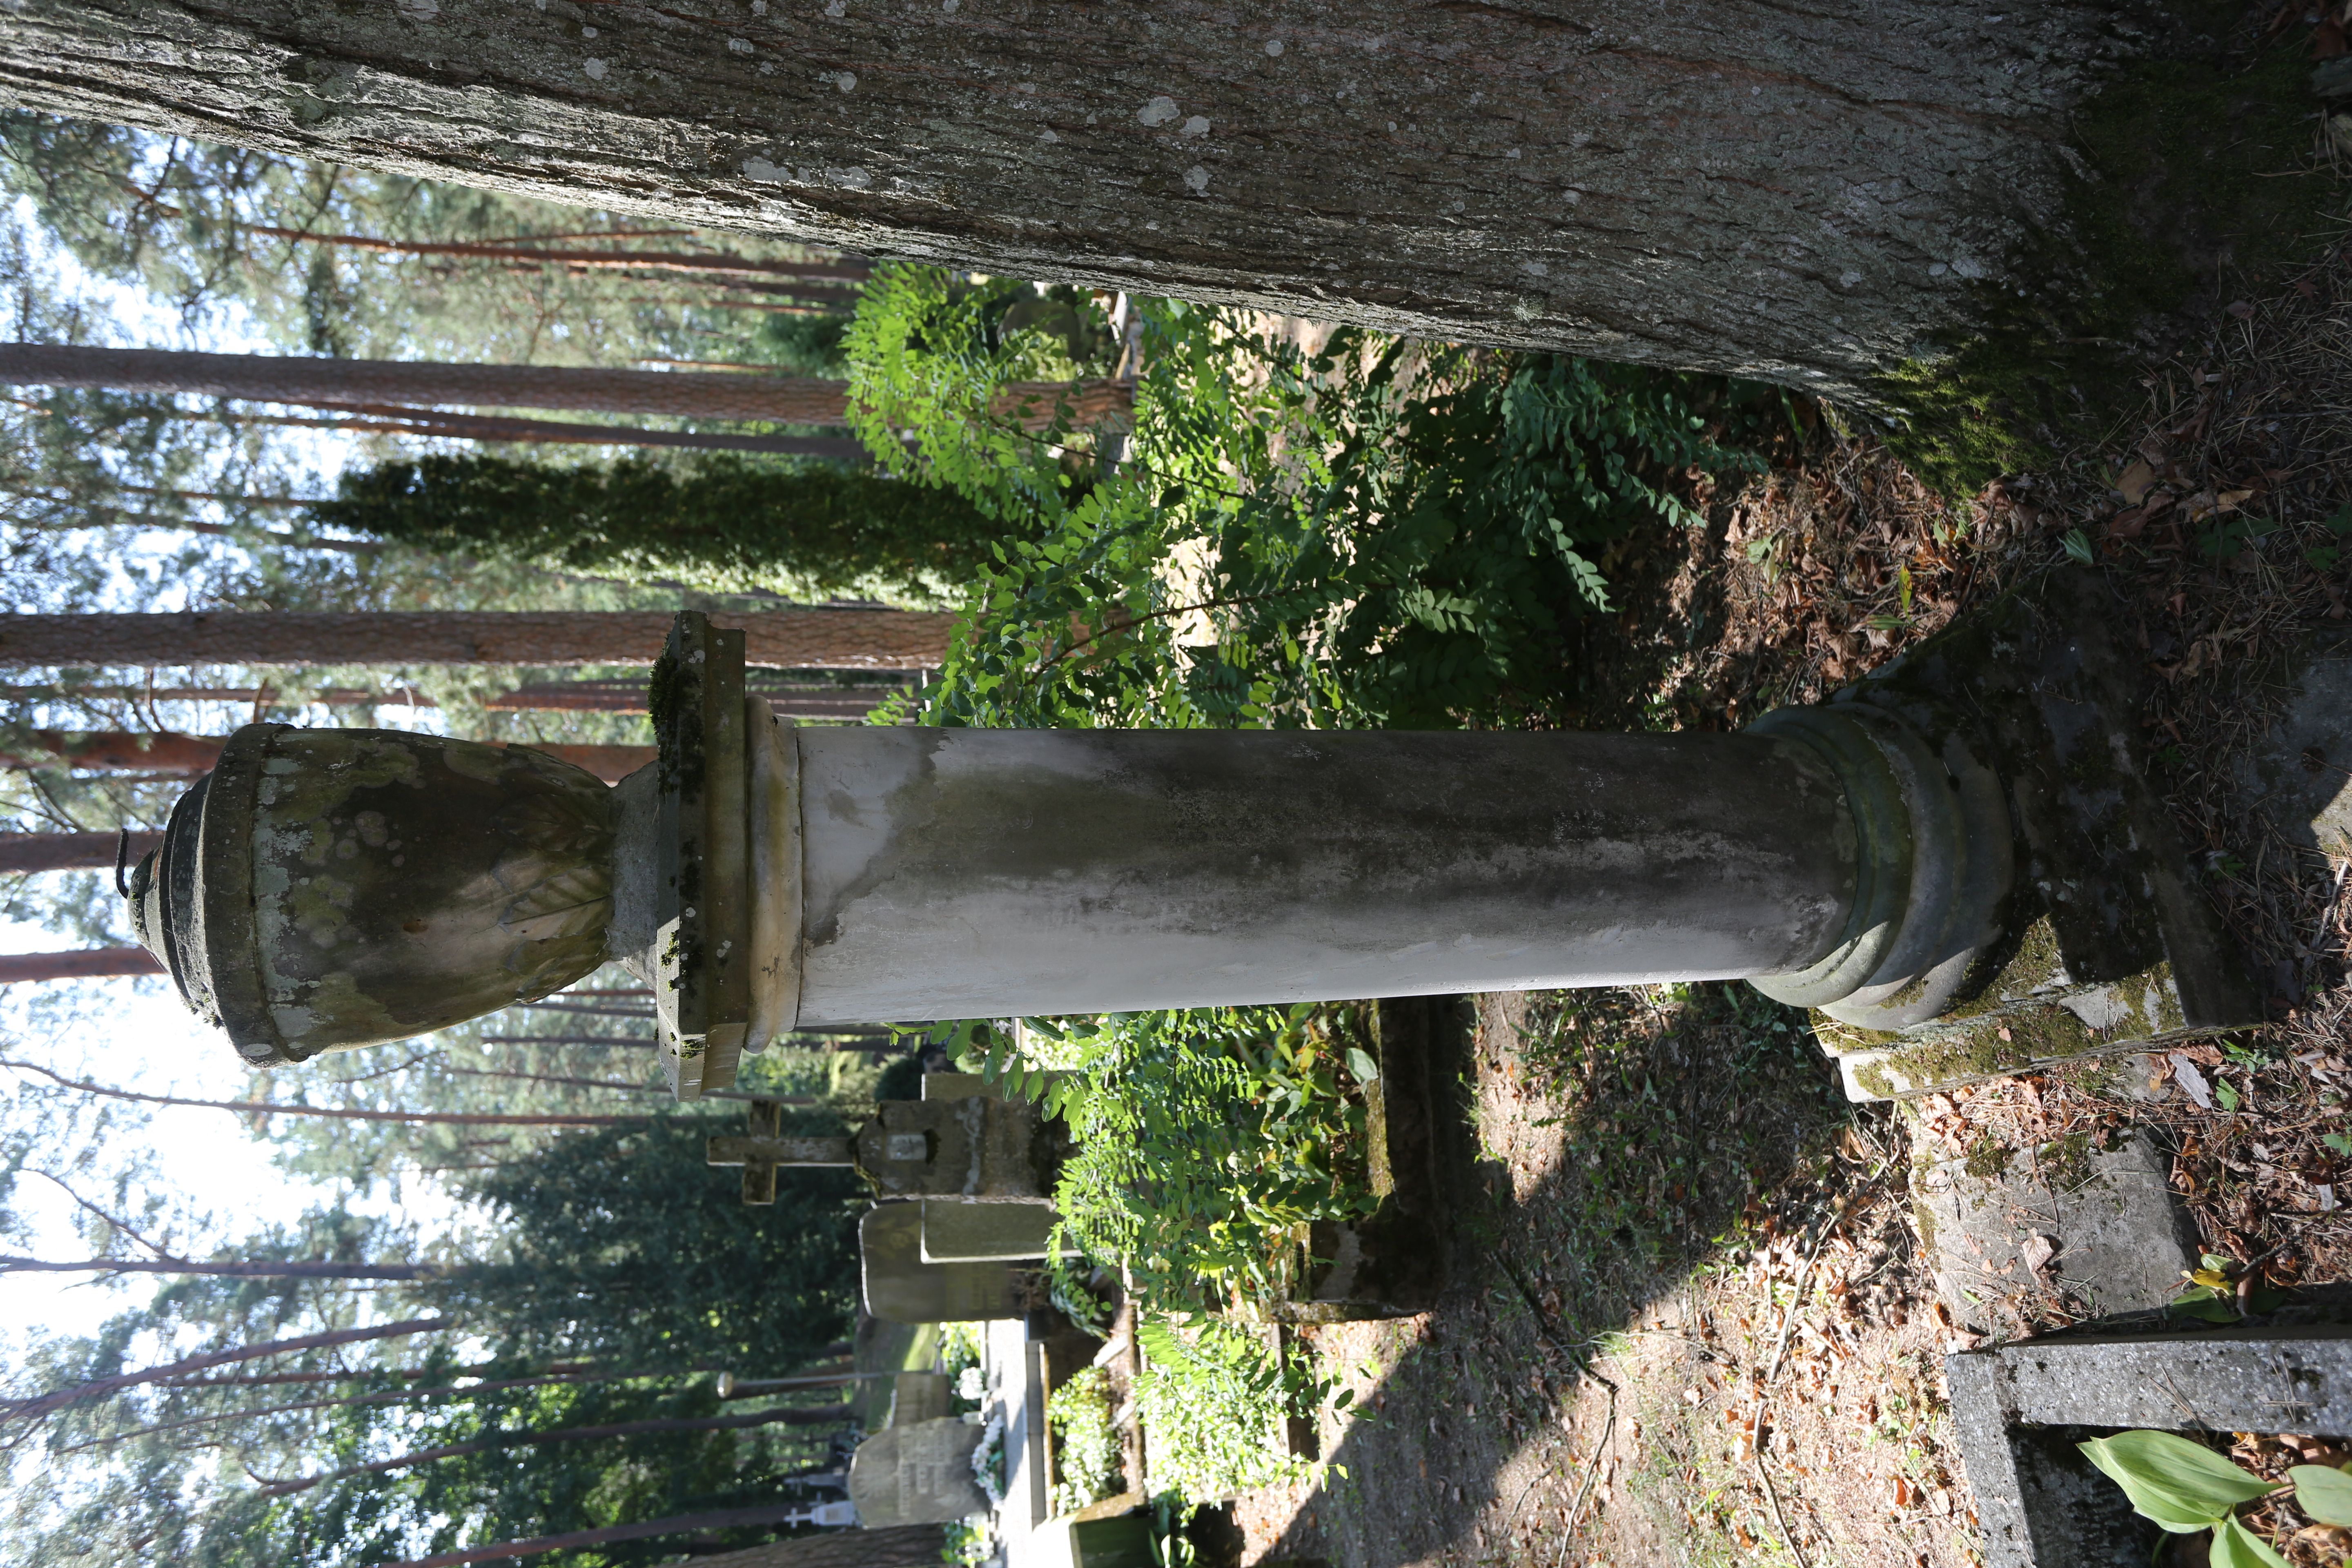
pixel 901 1288
pixel 973 1233
pixel 2011 1230
pixel 918 1396
pixel 2018 1410
pixel 2112 945
pixel 917 1474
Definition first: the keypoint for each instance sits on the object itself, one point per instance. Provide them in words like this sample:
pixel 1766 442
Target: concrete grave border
pixel 2019 1409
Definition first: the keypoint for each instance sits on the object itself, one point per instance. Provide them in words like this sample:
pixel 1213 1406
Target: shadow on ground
pixel 1675 1119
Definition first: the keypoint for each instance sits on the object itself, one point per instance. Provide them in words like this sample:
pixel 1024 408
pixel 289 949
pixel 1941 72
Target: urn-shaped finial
pixel 326 888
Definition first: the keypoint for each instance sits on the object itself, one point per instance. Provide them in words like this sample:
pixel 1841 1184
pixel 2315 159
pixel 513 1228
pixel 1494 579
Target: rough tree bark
pixel 785 639
pixel 1812 193
pixel 377 385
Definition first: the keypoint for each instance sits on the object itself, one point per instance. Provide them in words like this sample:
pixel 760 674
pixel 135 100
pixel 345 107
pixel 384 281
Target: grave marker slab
pixel 901 1288
pixel 917 1474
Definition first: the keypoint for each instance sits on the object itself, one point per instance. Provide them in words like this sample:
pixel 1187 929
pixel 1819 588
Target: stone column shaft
pixel 978 873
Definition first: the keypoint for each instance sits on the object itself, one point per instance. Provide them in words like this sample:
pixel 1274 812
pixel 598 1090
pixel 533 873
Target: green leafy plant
pixel 1378 532
pixel 1207 1143
pixel 1215 1396
pixel 2186 1487
pixel 1086 1453
pixel 2213 1295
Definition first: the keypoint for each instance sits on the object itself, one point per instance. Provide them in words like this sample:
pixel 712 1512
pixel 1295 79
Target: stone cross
pixel 766 1149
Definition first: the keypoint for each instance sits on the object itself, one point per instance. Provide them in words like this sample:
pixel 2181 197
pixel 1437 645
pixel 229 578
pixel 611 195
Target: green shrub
pixel 1085 1447
pixel 1380 532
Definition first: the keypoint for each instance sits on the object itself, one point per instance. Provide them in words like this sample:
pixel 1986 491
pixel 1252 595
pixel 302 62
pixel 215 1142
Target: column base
pixel 2108 944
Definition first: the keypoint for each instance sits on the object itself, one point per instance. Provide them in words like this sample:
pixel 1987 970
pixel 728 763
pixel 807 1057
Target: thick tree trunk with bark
pixel 1810 193
pixel 70 851
pixel 375 385
pixel 784 640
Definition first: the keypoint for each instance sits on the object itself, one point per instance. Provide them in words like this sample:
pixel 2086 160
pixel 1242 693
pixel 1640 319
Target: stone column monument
pixel 1958 854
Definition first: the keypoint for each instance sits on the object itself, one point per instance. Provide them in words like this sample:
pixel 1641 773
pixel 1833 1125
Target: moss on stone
pixel 2168 202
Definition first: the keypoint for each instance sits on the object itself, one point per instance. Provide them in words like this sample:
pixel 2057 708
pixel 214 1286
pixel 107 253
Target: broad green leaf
pixel 2235 1546
pixel 2324 1493
pixel 1362 1066
pixel 2183 1486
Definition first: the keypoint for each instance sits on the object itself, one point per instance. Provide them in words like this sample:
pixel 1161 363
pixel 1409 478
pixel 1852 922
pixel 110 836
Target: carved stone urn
pixel 1956 865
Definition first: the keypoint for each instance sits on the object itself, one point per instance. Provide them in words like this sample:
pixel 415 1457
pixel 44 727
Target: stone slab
pixel 985 1233
pixel 917 1474
pixel 2018 1410
pixel 2011 1230
pixel 898 1287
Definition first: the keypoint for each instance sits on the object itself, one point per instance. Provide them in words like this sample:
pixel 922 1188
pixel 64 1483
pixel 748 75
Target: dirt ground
pixel 1691 1322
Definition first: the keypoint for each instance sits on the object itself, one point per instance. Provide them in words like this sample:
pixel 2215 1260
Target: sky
pixel 135 1033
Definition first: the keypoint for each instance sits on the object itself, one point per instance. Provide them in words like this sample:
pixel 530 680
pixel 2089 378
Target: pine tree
pixel 814 532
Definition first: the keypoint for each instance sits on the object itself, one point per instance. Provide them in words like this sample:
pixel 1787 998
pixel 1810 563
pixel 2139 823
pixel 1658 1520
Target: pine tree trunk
pixel 41 1405
pixel 900 1546
pixel 270 1268
pixel 260 1107
pixel 79 963
pixel 797 1415
pixel 140 751
pixel 69 851
pixel 367 386
pixel 787 640
pixel 1811 192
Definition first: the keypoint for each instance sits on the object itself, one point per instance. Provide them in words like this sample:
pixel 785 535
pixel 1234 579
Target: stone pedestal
pixel 2105 943
pixel 1959 865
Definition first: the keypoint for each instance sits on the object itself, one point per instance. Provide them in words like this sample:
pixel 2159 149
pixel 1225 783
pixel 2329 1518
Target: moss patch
pixel 2192 174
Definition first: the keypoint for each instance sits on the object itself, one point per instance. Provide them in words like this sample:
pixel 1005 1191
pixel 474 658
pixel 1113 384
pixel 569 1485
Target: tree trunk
pixel 271 1108
pixel 118 752
pixel 786 640
pixel 136 752
pixel 69 851
pixel 790 1415
pixel 41 1405
pixel 900 1546
pixel 392 420
pixel 82 964
pixel 280 1268
pixel 365 384
pixel 1813 194
pixel 898 1551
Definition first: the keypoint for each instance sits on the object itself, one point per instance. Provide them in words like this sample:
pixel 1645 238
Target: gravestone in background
pixel 901 1288
pixel 918 1474
pixel 918 1396
pixel 956 1232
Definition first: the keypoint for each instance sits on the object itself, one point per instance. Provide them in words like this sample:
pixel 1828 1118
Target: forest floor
pixel 1692 1321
